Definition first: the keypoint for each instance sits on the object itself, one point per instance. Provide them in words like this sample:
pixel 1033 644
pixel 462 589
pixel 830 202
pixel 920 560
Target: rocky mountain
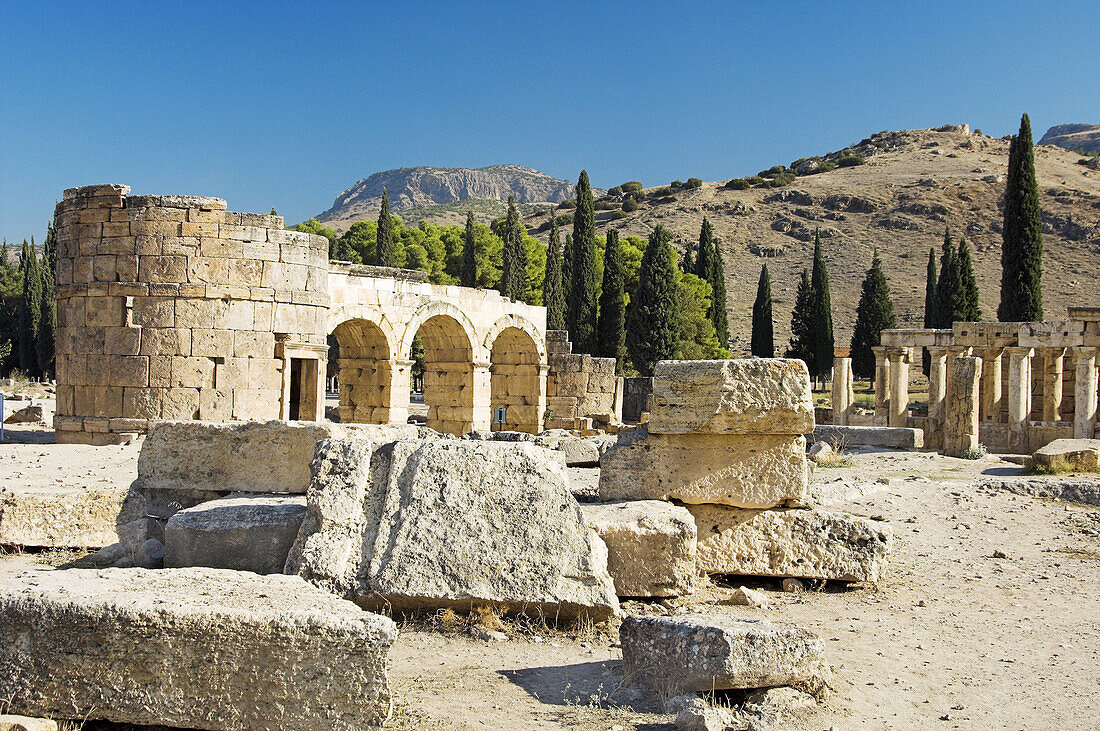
pixel 910 186
pixel 1076 137
pixel 431 189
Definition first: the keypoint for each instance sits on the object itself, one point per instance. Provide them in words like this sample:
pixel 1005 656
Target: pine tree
pixel 718 314
pixel 652 331
pixel 582 283
pixel 874 314
pixel 47 313
pixel 802 344
pixel 929 306
pixel 948 286
pixel 468 274
pixel 552 295
pixel 30 311
pixel 611 321
pixel 970 310
pixel 384 242
pixel 1022 250
pixel 763 340
pixel 821 317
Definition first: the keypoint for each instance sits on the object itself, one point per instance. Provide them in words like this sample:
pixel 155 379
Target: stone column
pixel 1052 383
pixel 963 401
pixel 544 369
pixel 882 380
pixel 483 392
pixel 937 392
pixel 842 390
pixel 899 386
pixel 397 397
pixel 1019 397
pixel 991 384
pixel 1084 416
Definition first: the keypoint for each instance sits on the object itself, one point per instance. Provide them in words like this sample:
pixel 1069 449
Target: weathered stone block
pixel 650 546
pixel 745 470
pixel 810 544
pixel 59 517
pixel 869 436
pixel 742 396
pixel 1068 455
pixel 152 648
pixel 242 533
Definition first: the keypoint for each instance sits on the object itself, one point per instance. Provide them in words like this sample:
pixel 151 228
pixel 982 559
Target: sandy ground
pixel 953 638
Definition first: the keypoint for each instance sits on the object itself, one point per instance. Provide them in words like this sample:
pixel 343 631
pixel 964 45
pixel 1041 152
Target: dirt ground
pixel 953 638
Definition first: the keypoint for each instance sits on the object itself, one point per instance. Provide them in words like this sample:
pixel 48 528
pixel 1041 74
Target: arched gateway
pixel 171 307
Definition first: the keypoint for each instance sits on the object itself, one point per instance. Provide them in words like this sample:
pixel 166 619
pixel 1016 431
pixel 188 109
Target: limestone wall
pixel 172 307
pixel 579 386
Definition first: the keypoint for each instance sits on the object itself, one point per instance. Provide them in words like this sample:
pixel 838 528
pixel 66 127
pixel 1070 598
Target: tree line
pixel 27 313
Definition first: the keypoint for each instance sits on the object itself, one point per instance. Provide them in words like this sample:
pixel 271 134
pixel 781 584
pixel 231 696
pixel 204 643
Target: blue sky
pixel 287 104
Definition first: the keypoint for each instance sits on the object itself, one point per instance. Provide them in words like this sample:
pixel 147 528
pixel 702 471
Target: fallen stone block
pixel 59 517
pixel 1068 455
pixel 241 533
pixel 703 652
pixel 450 523
pixel 799 543
pixel 579 451
pixel 845 437
pixel 33 414
pixel 26 723
pixel 650 546
pixel 740 396
pixel 193 648
pixel 744 470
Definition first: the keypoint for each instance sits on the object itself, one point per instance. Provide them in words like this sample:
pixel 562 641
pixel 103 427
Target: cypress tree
pixel 384 242
pixel 582 282
pixel 948 286
pixel 874 314
pixel 687 265
pixel 552 295
pixel 47 314
pixel 821 317
pixel 763 340
pixel 969 309
pixel 652 330
pixel 30 311
pixel 717 312
pixel 1022 233
pixel 801 345
pixel 611 321
pixel 468 274
pixel 929 306
pixel 705 259
pixel 566 274
pixel 508 252
pixel 519 261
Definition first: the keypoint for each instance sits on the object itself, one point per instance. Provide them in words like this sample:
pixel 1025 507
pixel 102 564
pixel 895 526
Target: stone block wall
pixel 172 307
pixel 637 393
pixel 579 386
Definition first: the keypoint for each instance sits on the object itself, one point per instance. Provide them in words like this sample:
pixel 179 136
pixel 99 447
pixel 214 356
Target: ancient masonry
pixel 171 307
pixel 1036 382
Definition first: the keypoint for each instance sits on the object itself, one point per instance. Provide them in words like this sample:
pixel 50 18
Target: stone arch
pixel 365 371
pixel 520 323
pixel 517 379
pixel 435 309
pixel 373 315
pixel 448 369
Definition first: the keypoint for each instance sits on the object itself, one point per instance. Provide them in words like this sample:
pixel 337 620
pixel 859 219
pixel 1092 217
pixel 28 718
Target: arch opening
pixel 448 374
pixel 364 372
pixel 516 387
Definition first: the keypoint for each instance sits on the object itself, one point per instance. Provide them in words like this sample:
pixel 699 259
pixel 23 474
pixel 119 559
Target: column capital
pixel 1083 352
pixel 879 351
pixel 898 353
pixel 1019 351
pixel 993 352
pixel 937 351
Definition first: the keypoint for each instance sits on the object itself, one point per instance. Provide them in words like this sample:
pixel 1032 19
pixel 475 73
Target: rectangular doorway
pixel 303 389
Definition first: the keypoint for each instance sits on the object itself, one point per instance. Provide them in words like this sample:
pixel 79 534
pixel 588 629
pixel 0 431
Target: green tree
pixel 612 318
pixel 718 314
pixel 30 310
pixel 874 314
pixel 468 278
pixel 802 345
pixel 509 268
pixel 522 291
pixel 704 260
pixel 48 313
pixel 929 305
pixel 383 246
pixel 582 282
pixel 948 286
pixel 552 293
pixel 652 333
pixel 313 226
pixel 1022 249
pixel 686 264
pixel 970 310
pixel 763 338
pixel 697 340
pixel 821 317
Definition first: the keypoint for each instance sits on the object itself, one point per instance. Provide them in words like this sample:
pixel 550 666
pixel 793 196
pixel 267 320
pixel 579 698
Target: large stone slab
pixel 703 652
pixel 420 524
pixel 650 546
pixel 895 437
pixel 251 533
pixel 740 396
pixel 193 648
pixel 745 470
pixel 579 451
pixel 1068 455
pixel 59 517
pixel 800 543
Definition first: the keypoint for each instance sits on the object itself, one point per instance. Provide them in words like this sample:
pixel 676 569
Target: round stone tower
pixel 171 307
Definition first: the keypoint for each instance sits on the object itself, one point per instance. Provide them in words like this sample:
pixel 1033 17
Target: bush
pixel 603 205
pixel 632 186
pixel 738 184
pixel 660 192
pixel 975 452
pixel 694 183
pixel 850 160
pixel 677 184
pixel 616 191
pixel 826 167
pixel 772 171
pixel 567 204
pixel 619 214
pixel 781 179
pixel 563 219
pixel 756 180
pixel 630 205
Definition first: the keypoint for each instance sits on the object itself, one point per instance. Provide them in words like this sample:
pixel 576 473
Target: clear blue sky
pixel 287 104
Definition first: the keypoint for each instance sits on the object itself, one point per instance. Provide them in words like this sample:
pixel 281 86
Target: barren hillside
pixel 913 184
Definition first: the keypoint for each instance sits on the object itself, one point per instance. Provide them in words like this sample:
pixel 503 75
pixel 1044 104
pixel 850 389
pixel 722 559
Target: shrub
pixel 975 452
pixel 756 180
pixel 564 219
pixel 632 186
pixel 660 192
pixel 826 167
pixel 616 191
pixel 850 160
pixel 738 184
pixel 603 205
pixel 567 204
pixel 772 171
pixel 619 214
pixel 677 184
pixel 694 183
pixel 630 205
pixel 781 179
